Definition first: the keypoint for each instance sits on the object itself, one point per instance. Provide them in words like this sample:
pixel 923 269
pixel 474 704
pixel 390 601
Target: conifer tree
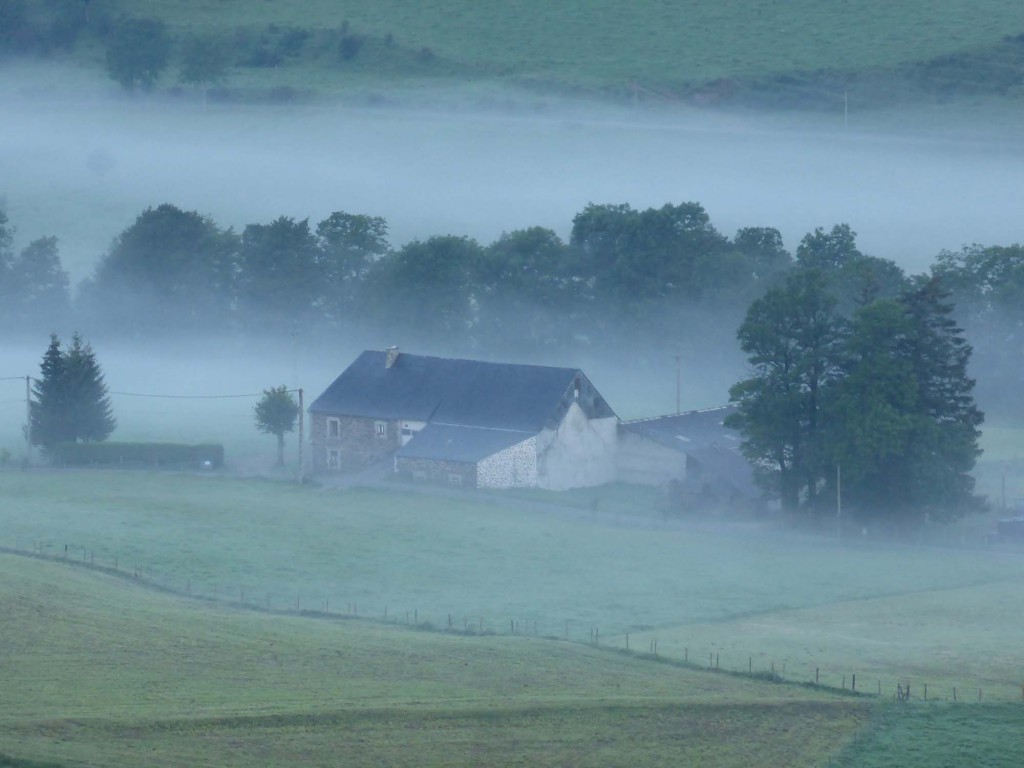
pixel 70 397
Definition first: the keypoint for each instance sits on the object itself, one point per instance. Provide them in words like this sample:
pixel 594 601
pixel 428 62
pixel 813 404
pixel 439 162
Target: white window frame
pixel 333 458
pixel 381 429
pixel 333 427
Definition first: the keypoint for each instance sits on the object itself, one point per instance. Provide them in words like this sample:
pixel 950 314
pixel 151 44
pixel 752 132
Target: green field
pixel 98 671
pixel 890 613
pixel 601 45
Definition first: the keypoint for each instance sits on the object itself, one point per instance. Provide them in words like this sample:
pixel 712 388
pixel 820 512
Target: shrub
pixel 138 455
pixel 350 45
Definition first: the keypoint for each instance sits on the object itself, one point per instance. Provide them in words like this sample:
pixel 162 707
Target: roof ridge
pixel 677 415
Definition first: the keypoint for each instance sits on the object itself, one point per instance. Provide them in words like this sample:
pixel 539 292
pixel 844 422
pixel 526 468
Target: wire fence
pixel 645 645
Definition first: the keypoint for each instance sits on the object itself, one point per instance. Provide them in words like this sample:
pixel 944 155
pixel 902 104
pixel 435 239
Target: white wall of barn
pixel 579 454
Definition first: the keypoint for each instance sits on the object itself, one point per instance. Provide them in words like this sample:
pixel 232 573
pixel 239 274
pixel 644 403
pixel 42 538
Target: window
pixel 454 479
pixel 333 427
pixel 333 458
pixel 382 429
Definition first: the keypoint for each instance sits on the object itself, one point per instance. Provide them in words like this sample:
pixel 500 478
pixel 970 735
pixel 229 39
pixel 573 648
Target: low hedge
pixel 146 455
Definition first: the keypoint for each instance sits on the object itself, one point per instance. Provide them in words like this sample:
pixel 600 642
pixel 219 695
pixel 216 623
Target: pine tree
pixel 70 397
pixel 946 448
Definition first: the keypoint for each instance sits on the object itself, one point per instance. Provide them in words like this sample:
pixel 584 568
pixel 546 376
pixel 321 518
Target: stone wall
pixel 357 443
pixel 514 467
pixel 437 471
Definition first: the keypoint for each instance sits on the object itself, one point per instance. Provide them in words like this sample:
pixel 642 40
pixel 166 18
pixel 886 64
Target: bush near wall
pixel 140 455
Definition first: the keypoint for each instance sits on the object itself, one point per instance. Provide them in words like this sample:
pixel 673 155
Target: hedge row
pixel 162 455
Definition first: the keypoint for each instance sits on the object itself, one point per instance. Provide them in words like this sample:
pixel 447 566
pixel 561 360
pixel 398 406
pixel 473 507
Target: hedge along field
pixel 606 44
pixel 98 671
pixel 425 557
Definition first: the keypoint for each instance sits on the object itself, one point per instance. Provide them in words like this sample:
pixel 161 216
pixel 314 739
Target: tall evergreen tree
pixel 941 458
pixel 71 401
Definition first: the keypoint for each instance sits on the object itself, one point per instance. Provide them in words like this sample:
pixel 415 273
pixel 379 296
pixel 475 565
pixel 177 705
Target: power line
pixel 191 397
pixel 13 378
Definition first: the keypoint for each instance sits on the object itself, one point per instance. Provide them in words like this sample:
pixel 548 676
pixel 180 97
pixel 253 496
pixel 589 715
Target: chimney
pixel 390 356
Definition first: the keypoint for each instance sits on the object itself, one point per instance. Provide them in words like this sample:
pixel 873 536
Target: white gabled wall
pixel 514 467
pixel 580 453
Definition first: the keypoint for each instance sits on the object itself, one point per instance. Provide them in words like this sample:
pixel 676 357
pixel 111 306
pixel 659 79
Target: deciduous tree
pixel 793 338
pixel 138 50
pixel 276 414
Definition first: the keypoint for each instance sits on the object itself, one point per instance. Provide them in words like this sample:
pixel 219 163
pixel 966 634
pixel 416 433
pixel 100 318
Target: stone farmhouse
pixel 501 425
pixel 466 422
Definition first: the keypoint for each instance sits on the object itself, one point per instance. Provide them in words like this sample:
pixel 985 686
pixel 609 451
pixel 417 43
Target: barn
pixel 466 422
pixel 693 455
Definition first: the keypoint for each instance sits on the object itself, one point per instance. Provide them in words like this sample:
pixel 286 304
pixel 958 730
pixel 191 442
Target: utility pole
pixel 28 420
pixel 302 432
pixel 678 411
pixel 839 503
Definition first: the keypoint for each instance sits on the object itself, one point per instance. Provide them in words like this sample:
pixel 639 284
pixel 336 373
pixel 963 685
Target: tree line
pixel 623 274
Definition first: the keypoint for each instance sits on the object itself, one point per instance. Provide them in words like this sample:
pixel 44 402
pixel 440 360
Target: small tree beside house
pixel 277 413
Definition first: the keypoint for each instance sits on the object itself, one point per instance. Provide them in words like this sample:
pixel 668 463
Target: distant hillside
pixel 799 53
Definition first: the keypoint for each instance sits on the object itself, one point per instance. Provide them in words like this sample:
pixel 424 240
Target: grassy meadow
pixel 98 671
pixel 944 616
pixel 595 46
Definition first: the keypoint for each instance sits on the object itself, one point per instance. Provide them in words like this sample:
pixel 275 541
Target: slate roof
pixel 460 444
pixel 690 431
pixel 524 398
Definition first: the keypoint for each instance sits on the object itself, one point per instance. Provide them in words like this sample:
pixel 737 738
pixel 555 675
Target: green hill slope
pixel 98 671
pixel 793 53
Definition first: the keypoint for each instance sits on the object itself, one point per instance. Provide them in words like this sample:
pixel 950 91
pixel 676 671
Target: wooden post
pixel 816 670
pixel 302 432
pixel 954 693
pixel 28 422
pixel 853 683
pixel 926 691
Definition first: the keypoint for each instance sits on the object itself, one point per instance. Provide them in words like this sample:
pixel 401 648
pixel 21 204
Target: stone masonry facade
pixel 437 471
pixel 346 443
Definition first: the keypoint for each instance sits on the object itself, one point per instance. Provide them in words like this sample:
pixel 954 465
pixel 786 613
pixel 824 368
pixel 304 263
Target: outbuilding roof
pixel 461 444
pixel 474 393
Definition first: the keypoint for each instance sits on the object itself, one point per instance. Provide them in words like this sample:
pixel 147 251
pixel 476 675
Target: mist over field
pixel 83 169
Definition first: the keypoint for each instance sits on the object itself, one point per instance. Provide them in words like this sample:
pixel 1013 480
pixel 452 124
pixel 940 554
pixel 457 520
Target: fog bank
pixel 84 170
